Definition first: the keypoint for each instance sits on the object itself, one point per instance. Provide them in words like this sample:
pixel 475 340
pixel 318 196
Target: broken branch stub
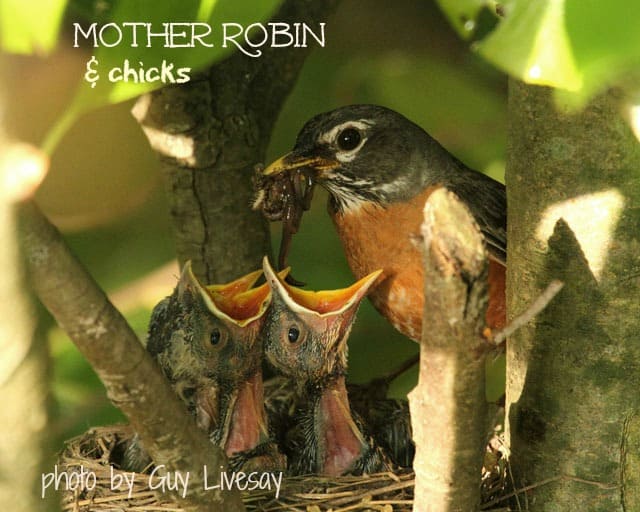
pixel 448 406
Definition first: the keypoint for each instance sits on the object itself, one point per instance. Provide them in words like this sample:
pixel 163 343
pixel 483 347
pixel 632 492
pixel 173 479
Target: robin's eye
pixel 294 334
pixel 216 336
pixel 349 139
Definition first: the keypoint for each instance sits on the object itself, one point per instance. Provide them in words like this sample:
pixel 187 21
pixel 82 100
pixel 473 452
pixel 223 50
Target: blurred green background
pixel 104 189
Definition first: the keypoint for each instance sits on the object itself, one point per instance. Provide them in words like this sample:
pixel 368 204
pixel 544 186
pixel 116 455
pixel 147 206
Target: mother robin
pixel 379 169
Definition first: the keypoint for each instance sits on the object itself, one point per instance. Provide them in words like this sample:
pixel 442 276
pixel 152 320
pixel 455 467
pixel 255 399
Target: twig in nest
pixel 559 478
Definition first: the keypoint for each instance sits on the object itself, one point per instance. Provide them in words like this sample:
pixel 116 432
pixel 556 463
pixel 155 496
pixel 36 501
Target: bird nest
pixel 98 451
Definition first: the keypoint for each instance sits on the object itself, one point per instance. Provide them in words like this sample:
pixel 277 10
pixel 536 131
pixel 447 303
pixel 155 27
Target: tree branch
pixel 210 133
pixel 448 406
pixel 24 355
pixel 132 379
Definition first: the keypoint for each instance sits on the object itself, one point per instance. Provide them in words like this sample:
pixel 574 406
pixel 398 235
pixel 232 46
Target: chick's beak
pixel 325 303
pixel 292 161
pixel 242 306
pixel 334 302
pixel 242 284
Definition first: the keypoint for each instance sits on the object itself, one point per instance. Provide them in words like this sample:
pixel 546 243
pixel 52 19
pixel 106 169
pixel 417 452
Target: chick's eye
pixel 293 334
pixel 216 336
pixel 349 139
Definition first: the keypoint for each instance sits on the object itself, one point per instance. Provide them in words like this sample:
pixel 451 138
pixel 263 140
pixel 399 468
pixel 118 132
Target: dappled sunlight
pixel 22 169
pixel 148 290
pixel 592 218
pixel 173 145
pixel 634 119
pixel 182 146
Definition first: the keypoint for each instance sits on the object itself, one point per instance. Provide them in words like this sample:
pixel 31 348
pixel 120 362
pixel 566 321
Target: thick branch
pixel 24 355
pixel 132 379
pixel 448 406
pixel 210 133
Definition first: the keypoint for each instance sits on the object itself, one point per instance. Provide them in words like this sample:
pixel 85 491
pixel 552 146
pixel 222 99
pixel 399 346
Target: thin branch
pixel 530 313
pixel 132 379
pixel 405 366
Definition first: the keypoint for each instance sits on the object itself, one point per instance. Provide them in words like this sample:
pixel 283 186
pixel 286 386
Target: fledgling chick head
pixel 223 323
pixel 202 333
pixel 305 332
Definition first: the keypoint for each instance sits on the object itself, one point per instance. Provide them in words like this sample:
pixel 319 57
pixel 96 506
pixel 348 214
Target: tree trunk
pixel 210 133
pixel 24 371
pixel 573 183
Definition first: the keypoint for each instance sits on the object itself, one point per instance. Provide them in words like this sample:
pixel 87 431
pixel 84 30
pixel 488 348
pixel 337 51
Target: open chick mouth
pixel 284 196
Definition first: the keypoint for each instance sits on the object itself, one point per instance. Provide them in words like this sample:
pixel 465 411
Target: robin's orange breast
pixel 389 238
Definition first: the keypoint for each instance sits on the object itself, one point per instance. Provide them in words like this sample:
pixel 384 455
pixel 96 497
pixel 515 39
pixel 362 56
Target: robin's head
pixel 360 153
pixel 305 332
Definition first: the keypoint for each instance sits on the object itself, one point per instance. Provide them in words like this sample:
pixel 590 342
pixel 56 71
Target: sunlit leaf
pixel 30 26
pixel 205 10
pixel 462 14
pixel 532 44
pixel 92 10
pixel 127 52
pixel 605 37
pixel 168 61
pixel 580 47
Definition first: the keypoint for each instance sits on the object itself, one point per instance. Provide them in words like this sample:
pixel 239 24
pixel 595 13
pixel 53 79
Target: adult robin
pixel 379 169
pixel 206 340
pixel 305 339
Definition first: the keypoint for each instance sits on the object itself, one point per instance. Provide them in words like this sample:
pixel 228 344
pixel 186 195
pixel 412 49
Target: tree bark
pixel 210 133
pixel 133 381
pixel 448 406
pixel 24 372
pixel 574 373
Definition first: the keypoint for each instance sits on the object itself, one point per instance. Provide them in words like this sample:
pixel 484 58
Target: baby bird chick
pixel 306 340
pixel 206 340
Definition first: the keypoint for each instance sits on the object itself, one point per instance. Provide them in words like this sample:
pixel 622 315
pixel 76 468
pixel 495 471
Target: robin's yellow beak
pixel 292 161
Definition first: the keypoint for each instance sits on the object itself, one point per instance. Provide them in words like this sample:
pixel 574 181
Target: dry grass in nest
pixel 100 447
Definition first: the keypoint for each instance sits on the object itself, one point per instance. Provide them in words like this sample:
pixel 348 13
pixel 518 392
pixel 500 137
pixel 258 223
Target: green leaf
pixel 580 47
pixel 158 65
pixel 143 59
pixel 91 10
pixel 111 60
pixel 30 26
pixel 532 44
pixel 462 14
pixel 605 37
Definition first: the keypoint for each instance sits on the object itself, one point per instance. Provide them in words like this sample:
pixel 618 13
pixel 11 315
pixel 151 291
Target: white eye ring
pixel 331 138
pixel 361 125
pixel 349 139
